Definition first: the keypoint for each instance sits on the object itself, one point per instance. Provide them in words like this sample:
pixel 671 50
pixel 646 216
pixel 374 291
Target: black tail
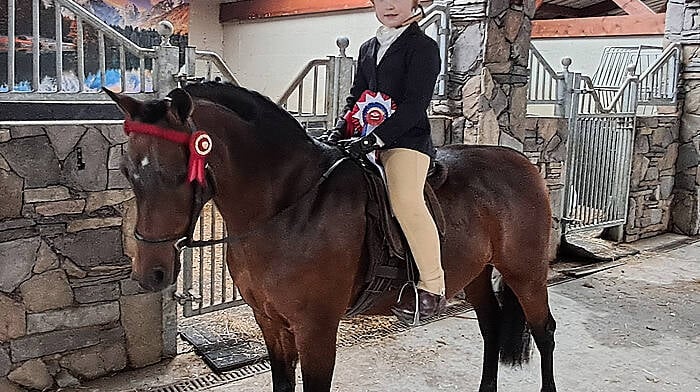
pixel 515 333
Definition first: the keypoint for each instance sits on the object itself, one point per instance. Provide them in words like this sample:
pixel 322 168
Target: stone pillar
pixel 167 61
pixel 468 19
pixel 488 79
pixel 683 26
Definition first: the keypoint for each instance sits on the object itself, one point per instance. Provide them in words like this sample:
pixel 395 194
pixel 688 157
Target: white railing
pixel 659 83
pixel 656 86
pixel 117 62
pixel 545 93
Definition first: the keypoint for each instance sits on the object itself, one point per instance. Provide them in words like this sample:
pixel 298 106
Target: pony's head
pixel 158 165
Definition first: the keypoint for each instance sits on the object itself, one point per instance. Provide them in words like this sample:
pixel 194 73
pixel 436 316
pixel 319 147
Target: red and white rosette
pixel 370 111
pixel 200 147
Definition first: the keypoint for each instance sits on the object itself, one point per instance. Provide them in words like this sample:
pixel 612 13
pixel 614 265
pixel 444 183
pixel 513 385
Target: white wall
pixel 266 55
pixel 586 52
pixel 206 33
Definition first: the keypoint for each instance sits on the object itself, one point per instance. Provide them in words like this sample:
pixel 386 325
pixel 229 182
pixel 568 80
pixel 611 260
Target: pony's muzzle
pixel 154 280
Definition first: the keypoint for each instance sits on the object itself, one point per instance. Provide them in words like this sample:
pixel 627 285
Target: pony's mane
pixel 251 106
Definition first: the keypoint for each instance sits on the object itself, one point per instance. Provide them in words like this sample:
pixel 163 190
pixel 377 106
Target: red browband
pixel 199 144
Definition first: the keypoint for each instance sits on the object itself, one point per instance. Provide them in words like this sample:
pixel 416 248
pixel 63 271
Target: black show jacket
pixel 407 73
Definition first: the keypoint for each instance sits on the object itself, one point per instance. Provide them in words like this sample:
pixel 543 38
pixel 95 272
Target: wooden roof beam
pixel 604 26
pixel 538 4
pixel 634 7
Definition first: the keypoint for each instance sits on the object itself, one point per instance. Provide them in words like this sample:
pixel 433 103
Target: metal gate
pixel 598 171
pixel 206 285
pixel 601 140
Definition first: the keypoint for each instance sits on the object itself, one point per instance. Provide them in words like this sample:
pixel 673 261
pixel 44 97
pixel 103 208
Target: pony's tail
pixel 514 334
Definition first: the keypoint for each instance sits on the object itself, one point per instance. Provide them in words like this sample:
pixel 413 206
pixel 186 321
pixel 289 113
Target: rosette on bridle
pixel 199 144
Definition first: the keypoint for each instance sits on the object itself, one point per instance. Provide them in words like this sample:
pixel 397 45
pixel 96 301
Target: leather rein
pixel 199 174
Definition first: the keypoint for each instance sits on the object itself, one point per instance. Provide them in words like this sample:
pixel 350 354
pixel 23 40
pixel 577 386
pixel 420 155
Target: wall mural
pixel 135 19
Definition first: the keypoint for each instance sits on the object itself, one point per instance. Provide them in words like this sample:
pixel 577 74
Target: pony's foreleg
pixel 480 294
pixel 316 341
pixel 282 351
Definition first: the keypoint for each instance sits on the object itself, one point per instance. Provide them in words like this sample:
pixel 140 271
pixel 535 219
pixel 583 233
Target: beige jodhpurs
pixel 406 172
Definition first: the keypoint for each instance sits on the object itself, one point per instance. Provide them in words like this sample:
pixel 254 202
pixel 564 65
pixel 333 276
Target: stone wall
pixel 68 308
pixel 683 26
pixel 686 206
pixel 653 177
pixel 545 146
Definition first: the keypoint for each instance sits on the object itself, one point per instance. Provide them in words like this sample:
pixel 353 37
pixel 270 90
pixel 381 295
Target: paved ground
pixel 632 328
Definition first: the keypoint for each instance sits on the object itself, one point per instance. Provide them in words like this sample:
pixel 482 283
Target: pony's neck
pixel 256 178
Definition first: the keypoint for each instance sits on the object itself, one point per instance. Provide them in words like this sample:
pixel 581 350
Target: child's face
pixel 392 13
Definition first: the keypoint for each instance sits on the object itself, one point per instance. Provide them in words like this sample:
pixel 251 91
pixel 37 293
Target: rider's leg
pixel 406 172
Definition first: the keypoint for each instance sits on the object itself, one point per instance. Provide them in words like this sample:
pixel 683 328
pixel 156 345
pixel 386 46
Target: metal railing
pixel 214 67
pixel 615 61
pixel 328 83
pixel 117 62
pixel 656 86
pixel 436 25
pixel 331 78
pixel 544 81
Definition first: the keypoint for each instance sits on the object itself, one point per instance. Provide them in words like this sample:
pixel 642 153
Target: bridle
pixel 200 176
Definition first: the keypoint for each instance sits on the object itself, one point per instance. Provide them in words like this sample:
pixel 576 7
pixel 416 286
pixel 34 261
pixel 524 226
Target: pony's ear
pixel 181 104
pixel 130 106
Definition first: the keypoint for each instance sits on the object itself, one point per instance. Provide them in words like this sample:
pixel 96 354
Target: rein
pixel 189 243
pixel 200 146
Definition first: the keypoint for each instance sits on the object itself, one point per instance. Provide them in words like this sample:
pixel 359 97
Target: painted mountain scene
pixel 142 14
pixel 134 19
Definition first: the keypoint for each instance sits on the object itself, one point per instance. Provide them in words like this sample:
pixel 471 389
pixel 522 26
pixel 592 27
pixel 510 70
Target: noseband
pixel 200 146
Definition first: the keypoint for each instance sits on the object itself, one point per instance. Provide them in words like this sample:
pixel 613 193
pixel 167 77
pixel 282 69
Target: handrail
pixel 439 13
pixel 215 58
pixel 154 71
pixel 545 85
pixel 105 28
pixel 665 55
pixel 543 62
pixel 300 76
pixel 592 91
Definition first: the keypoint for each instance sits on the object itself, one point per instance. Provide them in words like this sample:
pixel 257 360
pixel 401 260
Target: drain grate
pixel 213 380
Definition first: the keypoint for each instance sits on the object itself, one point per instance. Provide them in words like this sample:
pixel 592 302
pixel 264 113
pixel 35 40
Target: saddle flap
pixel 386 245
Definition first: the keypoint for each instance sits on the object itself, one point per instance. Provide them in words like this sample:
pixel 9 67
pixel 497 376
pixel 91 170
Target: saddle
pixel 386 247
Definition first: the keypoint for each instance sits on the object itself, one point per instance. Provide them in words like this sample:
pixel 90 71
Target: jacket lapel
pixel 399 44
pixel 372 63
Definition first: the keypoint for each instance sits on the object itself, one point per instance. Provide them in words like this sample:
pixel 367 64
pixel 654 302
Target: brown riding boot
pixel 429 305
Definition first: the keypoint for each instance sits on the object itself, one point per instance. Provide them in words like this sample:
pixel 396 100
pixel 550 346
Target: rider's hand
pixel 362 146
pixel 332 136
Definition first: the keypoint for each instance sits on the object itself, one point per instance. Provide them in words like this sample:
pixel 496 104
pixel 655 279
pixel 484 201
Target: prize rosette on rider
pixel 369 112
